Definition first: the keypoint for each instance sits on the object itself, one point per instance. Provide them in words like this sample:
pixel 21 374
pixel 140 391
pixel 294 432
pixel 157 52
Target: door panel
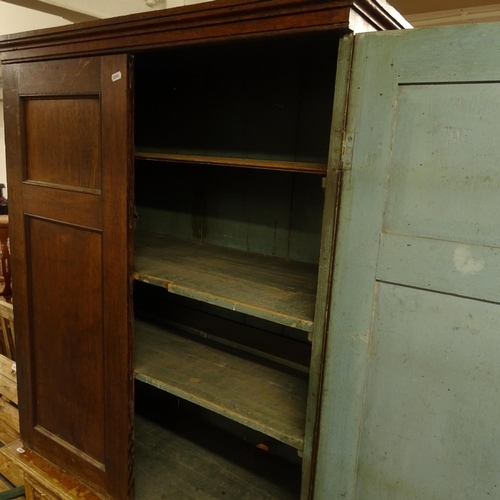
pixel 66 77
pixel 444 163
pixel 58 149
pixel 429 427
pixel 410 403
pixel 68 326
pixel 71 212
pixel 79 209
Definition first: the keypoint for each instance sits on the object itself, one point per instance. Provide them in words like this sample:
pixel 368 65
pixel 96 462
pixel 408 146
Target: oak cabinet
pixel 174 186
pixel 305 299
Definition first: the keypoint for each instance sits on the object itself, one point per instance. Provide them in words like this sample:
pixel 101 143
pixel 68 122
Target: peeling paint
pixel 464 261
pixel 364 338
pixel 456 133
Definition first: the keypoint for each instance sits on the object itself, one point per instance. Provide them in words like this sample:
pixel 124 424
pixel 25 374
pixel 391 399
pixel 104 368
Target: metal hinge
pixel 347 146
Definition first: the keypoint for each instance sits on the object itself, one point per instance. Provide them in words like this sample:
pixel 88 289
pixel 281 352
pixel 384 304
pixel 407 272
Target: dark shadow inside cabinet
pixel 182 452
pixel 231 153
pixel 269 100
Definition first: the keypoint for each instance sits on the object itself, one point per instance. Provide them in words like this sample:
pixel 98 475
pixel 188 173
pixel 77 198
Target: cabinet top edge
pixel 218 20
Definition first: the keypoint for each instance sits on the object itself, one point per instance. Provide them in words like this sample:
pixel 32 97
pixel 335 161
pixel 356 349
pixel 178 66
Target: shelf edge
pixel 284 166
pixel 300 324
pixel 292 441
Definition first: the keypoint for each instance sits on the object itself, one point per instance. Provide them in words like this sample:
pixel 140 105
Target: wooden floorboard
pixel 262 395
pixel 270 288
pixel 194 461
pixel 61 485
pixel 11 471
pixel 4 486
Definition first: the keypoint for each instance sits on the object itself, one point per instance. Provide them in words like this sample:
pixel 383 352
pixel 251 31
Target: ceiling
pixel 423 13
pixel 418 12
pixel 421 6
pixel 75 8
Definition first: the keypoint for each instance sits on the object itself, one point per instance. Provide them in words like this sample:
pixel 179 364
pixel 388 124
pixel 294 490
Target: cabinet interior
pixel 231 146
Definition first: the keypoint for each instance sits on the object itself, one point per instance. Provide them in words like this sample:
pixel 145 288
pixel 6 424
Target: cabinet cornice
pixel 202 23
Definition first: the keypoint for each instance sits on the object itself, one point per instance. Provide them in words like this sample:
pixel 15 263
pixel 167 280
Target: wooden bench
pixel 9 413
pixel 7 340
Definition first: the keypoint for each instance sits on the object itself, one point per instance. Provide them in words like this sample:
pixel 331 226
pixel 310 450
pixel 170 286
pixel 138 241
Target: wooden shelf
pixel 257 393
pixel 287 166
pixel 270 288
pixel 193 460
pixel 278 348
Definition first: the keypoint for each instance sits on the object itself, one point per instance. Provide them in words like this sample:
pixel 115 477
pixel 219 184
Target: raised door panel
pixel 64 409
pixel 59 150
pixel 69 153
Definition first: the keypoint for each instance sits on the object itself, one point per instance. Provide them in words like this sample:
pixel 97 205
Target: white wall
pixel 14 19
pixel 481 14
pixel 112 8
pixel 108 8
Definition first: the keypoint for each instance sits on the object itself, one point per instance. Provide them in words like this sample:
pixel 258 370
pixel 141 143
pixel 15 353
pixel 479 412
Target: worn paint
pixel 465 262
pixel 413 413
pixel 432 399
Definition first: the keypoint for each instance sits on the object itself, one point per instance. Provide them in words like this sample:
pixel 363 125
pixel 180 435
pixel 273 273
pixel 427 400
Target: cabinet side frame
pixel 327 257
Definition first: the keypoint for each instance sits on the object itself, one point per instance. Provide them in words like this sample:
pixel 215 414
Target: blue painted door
pixel 411 400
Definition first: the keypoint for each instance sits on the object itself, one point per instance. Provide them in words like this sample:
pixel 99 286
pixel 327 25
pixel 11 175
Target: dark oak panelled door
pixel 71 228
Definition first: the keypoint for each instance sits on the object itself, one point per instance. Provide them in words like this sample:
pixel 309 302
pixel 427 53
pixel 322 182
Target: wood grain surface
pixel 269 288
pixel 291 166
pixel 260 394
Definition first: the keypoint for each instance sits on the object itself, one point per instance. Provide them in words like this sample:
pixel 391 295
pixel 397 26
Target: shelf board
pixel 287 166
pixel 269 288
pixel 195 461
pixel 259 394
pixel 278 348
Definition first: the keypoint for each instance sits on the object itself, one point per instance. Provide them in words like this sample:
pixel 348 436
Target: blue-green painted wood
pixel 452 54
pixel 248 210
pixel 444 266
pixel 353 287
pixel 307 205
pixel 13 493
pixel 418 210
pixel 277 290
pixel 265 212
pixel 430 427
pixel 169 200
pixel 321 314
pixel 444 180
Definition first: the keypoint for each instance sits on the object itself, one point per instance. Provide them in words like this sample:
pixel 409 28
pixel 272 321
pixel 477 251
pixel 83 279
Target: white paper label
pixel 116 76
